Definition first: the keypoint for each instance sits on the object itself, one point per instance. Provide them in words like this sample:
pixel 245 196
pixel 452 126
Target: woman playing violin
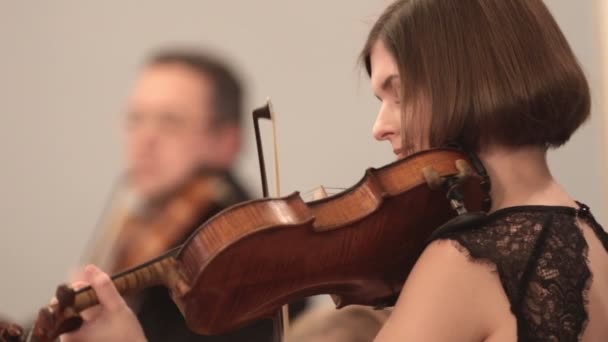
pixel 499 78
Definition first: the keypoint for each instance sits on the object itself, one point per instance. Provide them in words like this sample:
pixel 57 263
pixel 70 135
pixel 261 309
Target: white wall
pixel 601 8
pixel 65 68
pixel 580 165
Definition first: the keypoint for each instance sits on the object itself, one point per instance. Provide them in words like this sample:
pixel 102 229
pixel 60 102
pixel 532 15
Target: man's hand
pixel 111 320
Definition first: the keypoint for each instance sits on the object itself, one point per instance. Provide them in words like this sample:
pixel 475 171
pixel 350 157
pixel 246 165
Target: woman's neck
pixel 521 176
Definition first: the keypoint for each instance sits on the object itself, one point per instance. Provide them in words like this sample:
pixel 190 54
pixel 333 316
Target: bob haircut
pixel 491 72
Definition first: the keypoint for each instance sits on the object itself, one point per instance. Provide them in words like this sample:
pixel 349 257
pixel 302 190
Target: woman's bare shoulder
pixel 446 297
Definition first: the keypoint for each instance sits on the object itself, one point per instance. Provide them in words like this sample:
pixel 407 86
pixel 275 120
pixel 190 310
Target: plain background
pixel 66 67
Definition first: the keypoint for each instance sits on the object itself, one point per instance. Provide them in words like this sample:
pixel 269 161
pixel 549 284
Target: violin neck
pixel 62 317
pixel 159 271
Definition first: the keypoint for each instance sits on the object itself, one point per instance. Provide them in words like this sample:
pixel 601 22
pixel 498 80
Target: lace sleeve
pixel 540 258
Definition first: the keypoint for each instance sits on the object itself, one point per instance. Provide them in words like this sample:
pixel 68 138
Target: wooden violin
pixel 248 260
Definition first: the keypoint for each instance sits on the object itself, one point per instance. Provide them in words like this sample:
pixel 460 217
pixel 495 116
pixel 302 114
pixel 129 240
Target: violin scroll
pixel 10 332
pixel 59 318
pixel 52 321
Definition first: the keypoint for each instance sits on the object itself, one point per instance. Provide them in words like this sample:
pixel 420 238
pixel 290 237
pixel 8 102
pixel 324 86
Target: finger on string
pixel 106 292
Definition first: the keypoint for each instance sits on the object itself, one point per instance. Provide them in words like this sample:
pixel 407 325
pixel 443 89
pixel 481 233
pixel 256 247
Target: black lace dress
pixel 540 255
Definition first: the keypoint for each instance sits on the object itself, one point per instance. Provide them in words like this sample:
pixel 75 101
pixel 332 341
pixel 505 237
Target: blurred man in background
pixel 182 138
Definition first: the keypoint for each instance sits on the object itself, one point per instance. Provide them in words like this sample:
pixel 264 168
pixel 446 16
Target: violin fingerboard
pixel 131 281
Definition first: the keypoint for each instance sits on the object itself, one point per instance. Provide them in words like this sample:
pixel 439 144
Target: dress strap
pixel 584 212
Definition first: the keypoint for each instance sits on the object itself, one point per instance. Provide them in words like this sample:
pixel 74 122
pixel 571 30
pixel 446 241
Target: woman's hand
pixel 111 320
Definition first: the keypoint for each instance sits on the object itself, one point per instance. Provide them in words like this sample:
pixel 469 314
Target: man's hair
pixel 492 71
pixel 227 94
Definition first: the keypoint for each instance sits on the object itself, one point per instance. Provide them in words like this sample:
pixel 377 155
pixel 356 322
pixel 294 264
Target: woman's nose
pixel 384 126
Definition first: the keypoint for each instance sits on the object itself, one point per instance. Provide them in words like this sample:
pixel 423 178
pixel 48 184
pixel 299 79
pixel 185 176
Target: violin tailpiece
pixel 452 184
pixel 455 196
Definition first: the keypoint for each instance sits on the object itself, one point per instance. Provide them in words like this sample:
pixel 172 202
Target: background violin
pixel 132 236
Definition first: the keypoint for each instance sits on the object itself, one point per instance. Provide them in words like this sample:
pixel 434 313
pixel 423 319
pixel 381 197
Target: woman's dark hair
pixel 491 71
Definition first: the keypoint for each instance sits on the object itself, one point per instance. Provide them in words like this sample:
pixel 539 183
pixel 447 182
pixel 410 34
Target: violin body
pixel 359 245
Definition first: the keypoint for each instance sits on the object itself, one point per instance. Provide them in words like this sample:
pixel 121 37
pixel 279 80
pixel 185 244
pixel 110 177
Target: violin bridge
pixel 320 193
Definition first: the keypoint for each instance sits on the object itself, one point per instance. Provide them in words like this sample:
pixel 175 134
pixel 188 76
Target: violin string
pixel 308 195
pixel 329 193
pixel 336 189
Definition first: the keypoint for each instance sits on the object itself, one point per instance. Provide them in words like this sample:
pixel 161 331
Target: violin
pixel 248 260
